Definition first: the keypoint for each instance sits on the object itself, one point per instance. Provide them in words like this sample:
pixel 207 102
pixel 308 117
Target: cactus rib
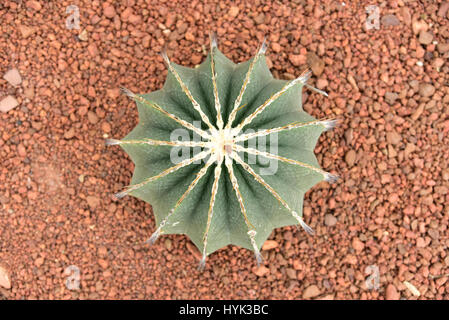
pixel 327 124
pixel 180 165
pixel 155 106
pixel 302 79
pixel 251 229
pixel 273 192
pixel 247 80
pixel 213 46
pixel 152 142
pixel 186 90
pixel 217 174
pixel 326 175
pixel 192 185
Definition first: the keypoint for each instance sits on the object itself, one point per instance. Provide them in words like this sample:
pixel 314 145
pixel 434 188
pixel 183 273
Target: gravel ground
pixel 385 220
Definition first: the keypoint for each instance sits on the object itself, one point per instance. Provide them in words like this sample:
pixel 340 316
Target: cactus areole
pixel 224 152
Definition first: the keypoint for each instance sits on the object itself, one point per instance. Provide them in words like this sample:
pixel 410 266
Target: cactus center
pixel 222 141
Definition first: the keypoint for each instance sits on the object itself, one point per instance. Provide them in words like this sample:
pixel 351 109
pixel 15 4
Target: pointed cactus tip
pixel 324 93
pixel 202 263
pixel 306 76
pixel 330 124
pixel 263 46
pixel 120 195
pixel 213 40
pixel 165 56
pixel 112 142
pixel 153 238
pixel 259 258
pixel 331 178
pixel 306 228
pixel 128 92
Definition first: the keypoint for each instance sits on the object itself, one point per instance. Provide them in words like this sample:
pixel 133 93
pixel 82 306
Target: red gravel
pixel 390 209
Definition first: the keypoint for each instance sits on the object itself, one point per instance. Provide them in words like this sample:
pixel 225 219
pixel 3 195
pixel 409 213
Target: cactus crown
pixel 246 150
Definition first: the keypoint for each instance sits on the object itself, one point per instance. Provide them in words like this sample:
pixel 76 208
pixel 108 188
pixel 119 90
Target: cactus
pixel 222 192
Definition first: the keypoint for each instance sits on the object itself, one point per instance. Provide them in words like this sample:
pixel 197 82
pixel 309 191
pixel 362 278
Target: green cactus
pixel 226 187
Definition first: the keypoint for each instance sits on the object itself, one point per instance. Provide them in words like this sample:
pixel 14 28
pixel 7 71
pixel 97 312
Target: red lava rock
pixel 194 251
pixel 171 19
pixel 189 36
pixel 33 4
pixel 425 37
pixel 438 63
pixel 406 15
pixel 93 50
pixel 276 47
pixel 233 11
pixel 315 63
pixel 196 59
pixel 113 93
pixel 330 220
pixel 103 263
pixel 92 117
pixel 444 7
pixel 391 293
pixel 291 273
pixel 5 281
pixel 390 20
pixel 260 18
pixel 322 84
pixel 420 242
pixel 420 52
pixel 357 245
pixel 26 31
pixel 261 271
pixel 135 19
pixel 8 103
pixel 109 12
pixel 391 97
pixel 93 201
pixel 62 65
pixel 83 35
pixel 39 262
pixel 102 251
pixel 426 90
pixel 21 150
pixel 13 77
pixel 419 26
pixel 106 127
pixel 443 47
pixel 270 244
pixel 311 292
pixel 350 157
pixel 29 92
pixel 126 14
pixel 69 134
pixel 393 137
pixel 297 59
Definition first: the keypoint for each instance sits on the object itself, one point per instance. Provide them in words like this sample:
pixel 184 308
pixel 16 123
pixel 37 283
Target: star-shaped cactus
pixel 246 152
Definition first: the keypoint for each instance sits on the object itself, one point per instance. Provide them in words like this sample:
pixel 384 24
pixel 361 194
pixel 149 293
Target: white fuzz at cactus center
pixel 216 196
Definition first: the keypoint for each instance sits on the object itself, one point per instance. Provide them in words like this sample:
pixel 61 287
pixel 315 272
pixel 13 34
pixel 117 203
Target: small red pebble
pixel 261 271
pixel 270 244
